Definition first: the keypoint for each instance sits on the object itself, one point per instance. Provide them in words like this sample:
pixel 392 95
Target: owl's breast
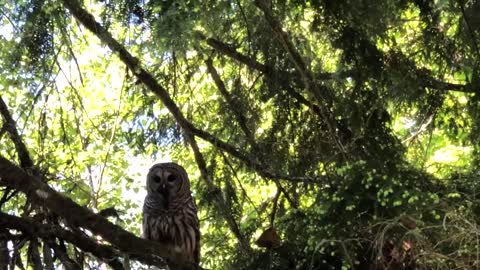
pixel 166 226
pixel 178 229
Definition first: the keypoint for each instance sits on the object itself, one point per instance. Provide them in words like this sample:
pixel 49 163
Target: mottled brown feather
pixel 169 211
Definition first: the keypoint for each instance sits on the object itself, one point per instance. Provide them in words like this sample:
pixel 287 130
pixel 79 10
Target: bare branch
pixel 231 52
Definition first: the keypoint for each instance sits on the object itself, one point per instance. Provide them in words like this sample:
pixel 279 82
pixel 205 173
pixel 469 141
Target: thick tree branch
pixel 149 252
pixel 11 128
pixel 50 232
pixel 47 257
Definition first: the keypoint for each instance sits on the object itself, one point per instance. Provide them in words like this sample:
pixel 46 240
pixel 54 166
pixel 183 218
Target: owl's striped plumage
pixel 169 212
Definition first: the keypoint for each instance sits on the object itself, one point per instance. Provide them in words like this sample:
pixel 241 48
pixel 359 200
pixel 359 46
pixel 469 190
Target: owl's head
pixel 168 182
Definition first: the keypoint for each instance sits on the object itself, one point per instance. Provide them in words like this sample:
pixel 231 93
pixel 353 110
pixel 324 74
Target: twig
pixel 110 141
pixel 420 130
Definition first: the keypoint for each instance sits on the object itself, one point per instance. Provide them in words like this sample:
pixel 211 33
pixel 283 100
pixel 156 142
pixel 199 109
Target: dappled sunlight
pixel 315 134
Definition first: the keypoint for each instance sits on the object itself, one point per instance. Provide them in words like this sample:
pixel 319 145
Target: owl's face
pixel 168 182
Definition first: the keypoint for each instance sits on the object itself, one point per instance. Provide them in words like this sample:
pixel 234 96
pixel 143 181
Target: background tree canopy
pixel 317 134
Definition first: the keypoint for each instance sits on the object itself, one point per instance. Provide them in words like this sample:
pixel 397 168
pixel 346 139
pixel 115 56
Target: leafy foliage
pixel 351 127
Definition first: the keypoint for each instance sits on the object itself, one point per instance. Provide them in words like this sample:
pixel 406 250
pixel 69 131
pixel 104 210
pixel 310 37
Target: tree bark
pixel 4 252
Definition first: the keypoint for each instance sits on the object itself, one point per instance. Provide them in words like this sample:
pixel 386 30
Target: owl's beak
pixel 162 189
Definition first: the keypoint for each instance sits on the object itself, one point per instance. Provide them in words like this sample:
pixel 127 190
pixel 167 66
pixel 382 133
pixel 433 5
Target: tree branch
pixel 10 126
pixel 224 210
pixel 282 77
pixel 322 94
pixel 422 76
pixel 67 262
pixel 146 251
pixel 149 81
pixel 241 119
pixel 33 254
pixel 469 28
pixel 47 257
pixel 4 253
pixel 231 52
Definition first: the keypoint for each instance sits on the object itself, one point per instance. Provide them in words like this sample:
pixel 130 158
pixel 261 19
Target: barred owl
pixel 169 212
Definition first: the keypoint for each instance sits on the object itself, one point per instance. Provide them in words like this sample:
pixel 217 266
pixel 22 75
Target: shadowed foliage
pixel 316 134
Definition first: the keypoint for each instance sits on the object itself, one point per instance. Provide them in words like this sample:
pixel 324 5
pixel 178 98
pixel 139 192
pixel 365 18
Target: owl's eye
pixel 156 179
pixel 171 178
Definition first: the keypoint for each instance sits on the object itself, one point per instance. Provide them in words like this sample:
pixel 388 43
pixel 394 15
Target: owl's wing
pixel 145 228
